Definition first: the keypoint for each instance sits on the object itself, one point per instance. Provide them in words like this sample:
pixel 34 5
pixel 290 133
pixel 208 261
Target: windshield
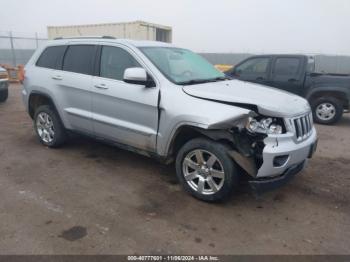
pixel 182 66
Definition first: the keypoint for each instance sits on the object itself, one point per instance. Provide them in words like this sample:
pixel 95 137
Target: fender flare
pixel 330 89
pixel 48 97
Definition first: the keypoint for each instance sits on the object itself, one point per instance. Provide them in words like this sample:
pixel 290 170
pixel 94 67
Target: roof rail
pixel 85 37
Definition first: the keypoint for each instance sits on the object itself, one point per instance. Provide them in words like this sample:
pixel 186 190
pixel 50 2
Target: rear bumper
pixel 267 184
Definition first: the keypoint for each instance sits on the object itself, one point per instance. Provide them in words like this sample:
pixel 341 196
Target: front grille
pixel 303 126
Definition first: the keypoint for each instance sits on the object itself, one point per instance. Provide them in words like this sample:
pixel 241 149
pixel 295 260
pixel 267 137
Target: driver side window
pixel 114 61
pixel 254 66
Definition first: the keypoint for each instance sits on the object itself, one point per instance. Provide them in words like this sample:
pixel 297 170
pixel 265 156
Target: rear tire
pixel 206 171
pixel 48 127
pixel 4 95
pixel 327 110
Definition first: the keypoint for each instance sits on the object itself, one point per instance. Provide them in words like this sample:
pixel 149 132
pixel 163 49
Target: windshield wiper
pixel 193 82
pixel 221 78
pixel 201 81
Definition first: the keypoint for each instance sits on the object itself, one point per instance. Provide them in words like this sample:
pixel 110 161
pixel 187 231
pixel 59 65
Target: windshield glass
pixel 182 66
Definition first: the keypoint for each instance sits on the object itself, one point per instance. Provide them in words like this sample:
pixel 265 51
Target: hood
pixel 269 101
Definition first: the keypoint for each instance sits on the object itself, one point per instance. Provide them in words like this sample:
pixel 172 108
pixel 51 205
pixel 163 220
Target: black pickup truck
pixel 3 85
pixel 328 94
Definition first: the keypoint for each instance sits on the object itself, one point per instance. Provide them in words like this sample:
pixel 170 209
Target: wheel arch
pixel 37 99
pixel 337 93
pixel 186 132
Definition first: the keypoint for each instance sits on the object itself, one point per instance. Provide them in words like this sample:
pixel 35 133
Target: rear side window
pixel 80 59
pixel 51 57
pixel 287 66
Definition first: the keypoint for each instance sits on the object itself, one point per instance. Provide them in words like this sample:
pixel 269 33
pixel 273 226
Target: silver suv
pixel 169 103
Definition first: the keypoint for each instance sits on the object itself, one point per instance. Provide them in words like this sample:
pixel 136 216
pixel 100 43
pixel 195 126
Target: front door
pixel 253 70
pixel 122 112
pixel 287 74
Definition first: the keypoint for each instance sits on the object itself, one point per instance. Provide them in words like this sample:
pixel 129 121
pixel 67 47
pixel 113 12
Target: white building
pixel 137 30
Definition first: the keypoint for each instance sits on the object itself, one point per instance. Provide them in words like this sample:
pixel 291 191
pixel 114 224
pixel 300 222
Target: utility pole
pixel 12 50
pixel 36 39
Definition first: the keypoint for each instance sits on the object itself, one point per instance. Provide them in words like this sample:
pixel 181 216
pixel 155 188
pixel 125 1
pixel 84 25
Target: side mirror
pixel 237 71
pixel 137 76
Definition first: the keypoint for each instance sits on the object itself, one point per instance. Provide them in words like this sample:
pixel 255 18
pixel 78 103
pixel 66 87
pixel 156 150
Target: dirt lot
pixel 89 198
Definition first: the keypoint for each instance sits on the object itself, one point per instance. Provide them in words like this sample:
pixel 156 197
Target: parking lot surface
pixel 90 198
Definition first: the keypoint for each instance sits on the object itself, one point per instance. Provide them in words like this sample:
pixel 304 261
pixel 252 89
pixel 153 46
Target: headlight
pixel 264 126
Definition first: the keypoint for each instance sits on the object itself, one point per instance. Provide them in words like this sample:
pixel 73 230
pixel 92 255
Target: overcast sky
pixel 256 26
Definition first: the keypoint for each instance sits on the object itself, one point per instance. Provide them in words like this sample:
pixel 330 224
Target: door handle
pixel 292 80
pixel 57 77
pixel 260 78
pixel 101 86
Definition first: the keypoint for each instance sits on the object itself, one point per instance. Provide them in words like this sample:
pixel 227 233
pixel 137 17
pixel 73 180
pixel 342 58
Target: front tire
pixel 327 110
pixel 205 170
pixel 48 127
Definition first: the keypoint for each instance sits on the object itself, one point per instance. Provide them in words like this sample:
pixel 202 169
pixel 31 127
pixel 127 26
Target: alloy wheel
pixel 45 127
pixel 203 172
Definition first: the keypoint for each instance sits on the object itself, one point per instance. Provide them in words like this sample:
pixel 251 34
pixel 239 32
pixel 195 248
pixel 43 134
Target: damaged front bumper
pixel 282 152
pixel 261 185
pixel 280 159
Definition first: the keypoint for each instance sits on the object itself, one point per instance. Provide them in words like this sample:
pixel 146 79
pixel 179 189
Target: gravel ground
pixel 89 198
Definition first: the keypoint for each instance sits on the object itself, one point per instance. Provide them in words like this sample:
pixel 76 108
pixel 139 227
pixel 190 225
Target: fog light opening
pixel 279 161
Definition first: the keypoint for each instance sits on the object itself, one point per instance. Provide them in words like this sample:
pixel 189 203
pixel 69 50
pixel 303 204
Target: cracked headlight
pixel 264 126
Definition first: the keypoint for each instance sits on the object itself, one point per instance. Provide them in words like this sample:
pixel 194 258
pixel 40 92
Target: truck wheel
pixel 48 127
pixel 205 170
pixel 3 96
pixel 327 110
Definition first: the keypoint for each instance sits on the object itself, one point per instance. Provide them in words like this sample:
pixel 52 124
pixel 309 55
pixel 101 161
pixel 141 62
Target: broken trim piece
pixel 247 163
pixel 242 105
pixel 245 148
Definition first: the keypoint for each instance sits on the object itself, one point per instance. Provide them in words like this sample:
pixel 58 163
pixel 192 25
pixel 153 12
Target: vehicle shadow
pixel 164 175
pixel 345 120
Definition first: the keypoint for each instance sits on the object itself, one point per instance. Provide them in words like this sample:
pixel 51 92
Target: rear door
pixel 74 82
pixel 288 73
pixel 255 69
pixel 122 112
pixel 46 69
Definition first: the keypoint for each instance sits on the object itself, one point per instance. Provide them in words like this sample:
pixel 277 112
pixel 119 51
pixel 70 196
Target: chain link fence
pixel 16 48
